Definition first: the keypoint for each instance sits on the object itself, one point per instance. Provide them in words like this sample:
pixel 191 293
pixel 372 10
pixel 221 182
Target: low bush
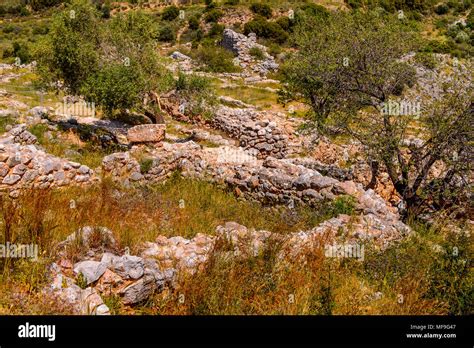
pixel 19 50
pixel 257 53
pixel 216 30
pixel 193 23
pixel 197 91
pixel 266 29
pixel 170 13
pixel 426 59
pixel 166 34
pixel 261 9
pixel 216 59
pixel 441 9
pixel 213 15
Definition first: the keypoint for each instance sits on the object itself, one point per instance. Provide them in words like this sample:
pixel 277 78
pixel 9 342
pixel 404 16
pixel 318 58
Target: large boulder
pixel 146 133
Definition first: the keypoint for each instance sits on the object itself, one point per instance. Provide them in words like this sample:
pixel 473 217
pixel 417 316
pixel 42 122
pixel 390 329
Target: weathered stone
pixel 108 282
pixel 4 169
pixel 19 169
pixel 139 291
pixel 179 56
pixel 136 176
pixel 11 179
pixel 150 133
pixel 92 303
pixel 91 270
pixel 88 235
pixel 126 266
pixel 83 170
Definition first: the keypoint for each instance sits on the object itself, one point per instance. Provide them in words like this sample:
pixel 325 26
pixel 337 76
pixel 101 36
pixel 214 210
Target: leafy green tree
pixel 113 63
pixel 347 62
pixel 115 87
pixel 349 67
pixel 69 53
pixel 197 92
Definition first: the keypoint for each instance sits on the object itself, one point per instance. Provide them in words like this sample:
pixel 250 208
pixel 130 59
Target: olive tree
pixel 347 68
pixel 110 62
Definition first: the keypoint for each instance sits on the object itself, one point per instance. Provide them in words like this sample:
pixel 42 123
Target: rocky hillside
pixel 164 160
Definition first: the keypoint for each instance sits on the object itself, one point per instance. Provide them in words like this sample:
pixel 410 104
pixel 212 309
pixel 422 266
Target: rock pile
pixel 262 138
pixel 272 181
pixel 241 45
pixel 25 166
pixel 161 263
pixel 104 272
pixel 20 135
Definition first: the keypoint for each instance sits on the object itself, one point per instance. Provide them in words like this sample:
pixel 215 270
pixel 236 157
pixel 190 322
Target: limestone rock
pixel 91 270
pixel 150 133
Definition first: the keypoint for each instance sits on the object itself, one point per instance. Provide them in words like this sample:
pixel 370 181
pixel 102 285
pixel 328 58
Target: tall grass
pixel 410 277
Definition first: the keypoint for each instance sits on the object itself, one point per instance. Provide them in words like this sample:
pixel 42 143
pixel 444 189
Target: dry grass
pixel 429 282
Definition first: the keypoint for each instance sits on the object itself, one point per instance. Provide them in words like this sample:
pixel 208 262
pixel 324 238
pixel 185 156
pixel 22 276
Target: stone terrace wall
pixel 26 166
pixel 273 181
pixel 261 138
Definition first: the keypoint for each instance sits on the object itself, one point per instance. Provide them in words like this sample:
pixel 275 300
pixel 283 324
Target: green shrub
pixel 170 13
pixel 216 30
pixel 217 59
pixel 470 20
pixel 257 53
pixel 265 29
pixel 315 10
pixel 210 4
pixel 40 29
pixel 42 4
pixel 354 4
pixel 436 46
pixel 197 91
pixel 461 37
pixel 167 34
pixel 343 205
pixel 9 28
pixel 232 2
pixel 5 121
pixel 274 49
pixel 426 59
pixel 451 274
pixel 21 51
pixel 115 87
pixel 261 9
pixel 213 16
pixel 285 23
pixel 81 281
pixel 145 165
pixel 24 11
pixel 105 10
pixel 441 9
pixel 193 23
